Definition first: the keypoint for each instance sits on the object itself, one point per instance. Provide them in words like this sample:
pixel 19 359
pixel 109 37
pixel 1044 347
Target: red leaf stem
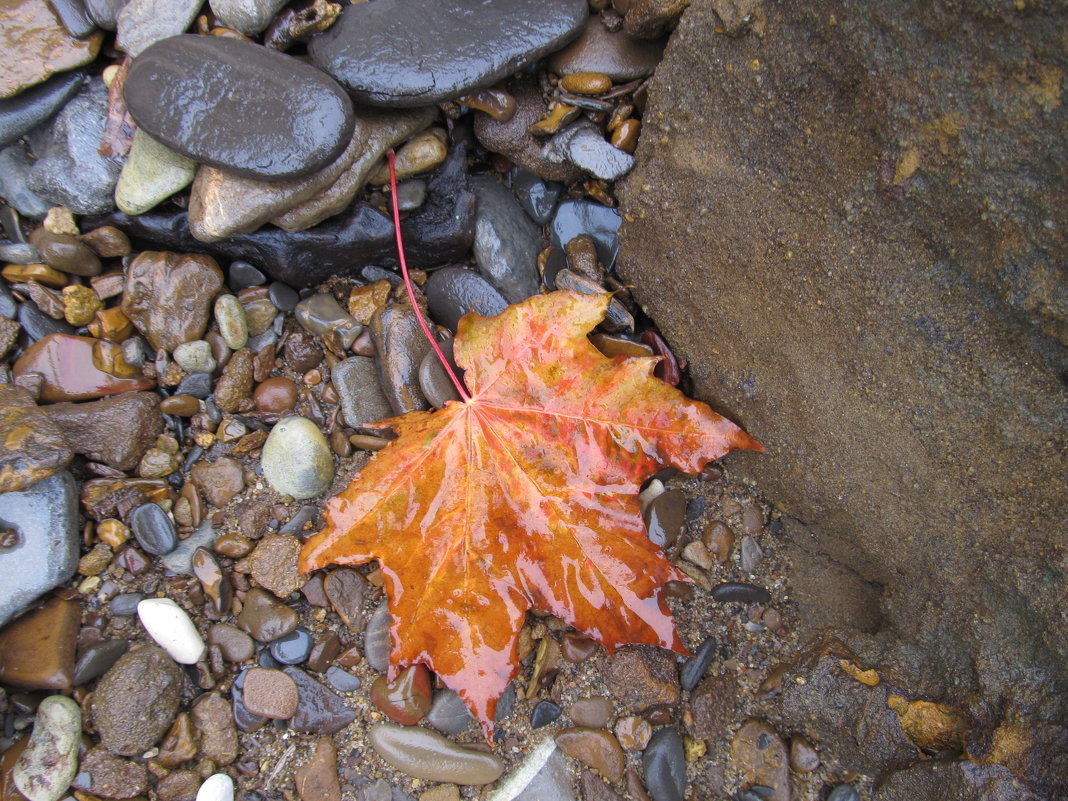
pixel 464 395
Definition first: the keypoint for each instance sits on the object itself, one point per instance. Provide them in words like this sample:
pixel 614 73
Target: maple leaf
pixel 523 496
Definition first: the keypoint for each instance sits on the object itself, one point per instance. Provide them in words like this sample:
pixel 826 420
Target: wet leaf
pixel 524 496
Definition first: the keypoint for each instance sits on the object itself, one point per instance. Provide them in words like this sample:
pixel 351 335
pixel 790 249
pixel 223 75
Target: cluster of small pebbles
pixel 200 320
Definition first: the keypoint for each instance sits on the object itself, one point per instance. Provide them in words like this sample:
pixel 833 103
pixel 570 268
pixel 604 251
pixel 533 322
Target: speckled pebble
pixel 297 460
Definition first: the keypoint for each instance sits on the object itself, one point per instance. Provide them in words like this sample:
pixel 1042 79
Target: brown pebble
pixel 633 732
pixel 594 748
pixel 557 118
pixel 112 532
pixel 586 83
pixel 80 305
pixel 625 137
pixel 235 644
pixel 576 647
pixel 719 540
pixel 108 242
pixel 213 580
pixel 276 395
pixel 759 756
pixel 803 757
pixel 220 480
pixel 233 545
pixel 406 699
pixel 753 519
pixel 110 324
pixel 235 384
pixel 264 617
pixel 181 785
pixel 498 103
pixel 350 657
pixel 317 779
pixel 324 652
pixel 179 745
pixel 108 776
pixel 346 589
pixel 41 273
pixel 364 301
pixel 314 591
pixel 366 442
pixel 37 650
pixel 214 723
pixel 181 405
pixel 593 713
pixel 274 564
pixel 641 677
pixel 270 694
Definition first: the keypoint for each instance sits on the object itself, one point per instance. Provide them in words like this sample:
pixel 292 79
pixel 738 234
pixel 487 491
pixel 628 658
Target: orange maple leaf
pixel 523 496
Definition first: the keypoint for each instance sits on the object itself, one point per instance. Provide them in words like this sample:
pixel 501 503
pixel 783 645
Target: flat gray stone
pixel 44 519
pixel 583 145
pixel 15 166
pixel 246 16
pixel 20 114
pixel 142 23
pixel 506 241
pixel 70 172
pixel 361 398
pixel 410 53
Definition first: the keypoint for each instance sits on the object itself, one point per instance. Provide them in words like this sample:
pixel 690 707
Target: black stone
pixel 238 106
pixel 96 659
pixel 293 648
pixel 73 15
pixel 321 710
pixel 105 13
pixel 736 591
pixel 242 275
pixel 126 604
pixel 38 325
pixel 196 384
pixel 284 297
pixel 664 766
pixel 505 704
pixel 153 529
pixel 439 233
pixel 665 518
pixel 265 659
pixel 11 224
pixel 448 713
pixel 576 217
pixel 26 110
pixel 536 197
pixel 544 714
pixel 693 669
pixel 412 53
pixel 452 292
pixel 341 680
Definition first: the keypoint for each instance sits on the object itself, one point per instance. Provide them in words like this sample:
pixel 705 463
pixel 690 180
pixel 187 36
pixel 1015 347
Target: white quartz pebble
pixel 217 787
pixel 169 625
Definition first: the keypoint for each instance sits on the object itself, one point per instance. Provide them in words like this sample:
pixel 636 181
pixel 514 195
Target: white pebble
pixel 217 787
pixel 169 625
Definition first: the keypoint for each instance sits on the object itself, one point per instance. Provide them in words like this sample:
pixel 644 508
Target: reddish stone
pixel 78 368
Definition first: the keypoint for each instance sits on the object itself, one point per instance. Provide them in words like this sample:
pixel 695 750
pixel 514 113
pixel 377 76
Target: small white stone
pixel 195 357
pixel 217 787
pixel 169 625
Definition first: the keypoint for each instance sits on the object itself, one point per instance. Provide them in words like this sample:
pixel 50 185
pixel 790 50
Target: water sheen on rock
pixel 238 106
pixel 425 754
pixel 462 45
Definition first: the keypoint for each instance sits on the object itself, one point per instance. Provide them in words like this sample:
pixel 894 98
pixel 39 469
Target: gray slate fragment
pixel 145 22
pixel 70 171
pixel 246 16
pixel 20 114
pixel 583 145
pixel 45 521
pixel 15 166
pixel 361 398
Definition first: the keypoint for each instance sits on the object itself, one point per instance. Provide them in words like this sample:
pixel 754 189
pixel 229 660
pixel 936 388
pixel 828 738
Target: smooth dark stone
pixel 9 307
pixel 434 381
pixel 576 217
pixel 105 13
pixel 376 640
pixel 664 766
pixel 293 648
pixel 242 275
pixel 284 297
pixel 536 197
pixel 401 345
pixel 693 669
pixel 843 792
pixel 19 252
pixel 448 713
pixel 321 710
pixel 196 384
pixel 665 518
pixel 265 659
pixel 460 46
pixel 555 264
pixel 439 233
pixel 97 659
pixel 302 517
pixel 544 714
pixel 70 170
pixel 452 292
pixel 506 241
pixel 153 529
pixel 16 167
pixel 12 225
pixel 126 604
pixel 238 106
pixel 341 680
pixel 25 111
pixel 505 704
pixel 38 325
pixel 73 15
pixel 735 591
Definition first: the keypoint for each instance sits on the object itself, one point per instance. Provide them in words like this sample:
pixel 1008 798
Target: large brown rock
pixel 847 228
pixel 168 296
pixel 116 431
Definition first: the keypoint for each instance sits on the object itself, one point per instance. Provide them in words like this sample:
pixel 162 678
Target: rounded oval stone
pixel 44 771
pixel 136 701
pixel 425 754
pixel 239 106
pixel 297 459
